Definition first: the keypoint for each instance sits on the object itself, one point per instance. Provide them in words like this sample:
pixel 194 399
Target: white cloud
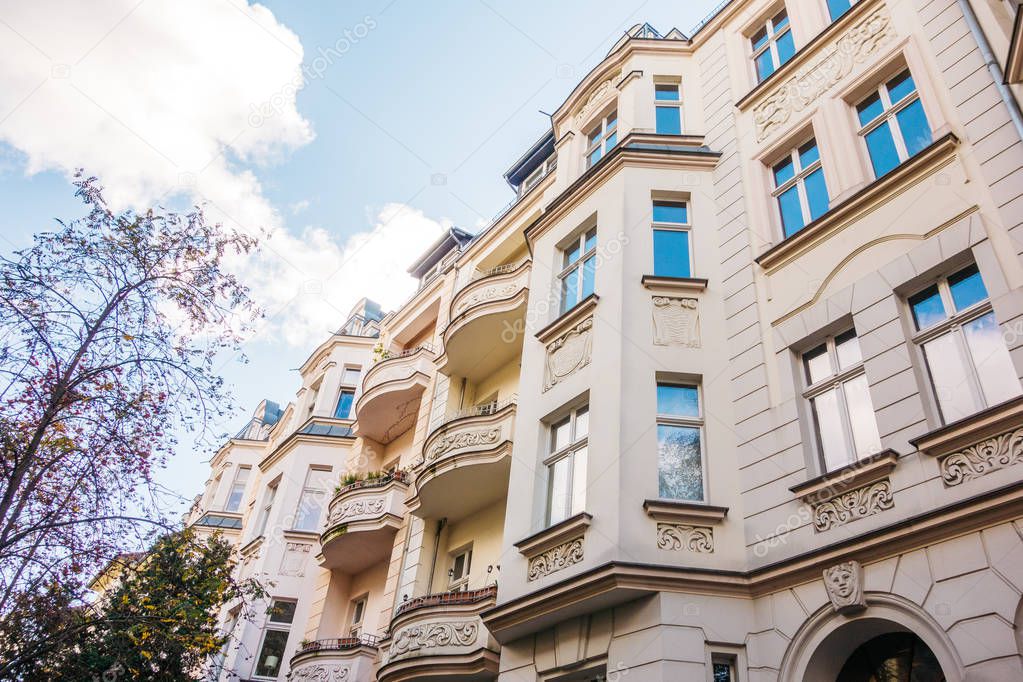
pixel 298 206
pixel 185 98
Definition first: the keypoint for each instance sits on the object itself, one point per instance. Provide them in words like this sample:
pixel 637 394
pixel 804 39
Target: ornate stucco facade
pixel 731 391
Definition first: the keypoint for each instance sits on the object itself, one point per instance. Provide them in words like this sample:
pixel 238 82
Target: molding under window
pixel 684 284
pixel 679 511
pixel 969 430
pixel 572 527
pixel 568 319
pixel 854 475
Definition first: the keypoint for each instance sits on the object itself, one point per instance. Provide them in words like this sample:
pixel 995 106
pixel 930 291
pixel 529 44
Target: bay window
pixel 566 465
pixel 601 138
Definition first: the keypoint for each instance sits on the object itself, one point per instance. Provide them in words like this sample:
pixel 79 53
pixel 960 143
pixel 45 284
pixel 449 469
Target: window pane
pixel 234 501
pixel 308 515
pixel 572 254
pixel 765 65
pixel 589 274
pixel 786 47
pixel 671 253
pixel 612 120
pixel 272 653
pixel 818 364
pixel 949 376
pixel 722 672
pixel 817 194
pixel 783 171
pixel 459 566
pixel 967 287
pixel 997 375
pixel 900 86
pixel 679 401
pixel 582 423
pixel 670 212
pixel 847 347
pixel 861 417
pixel 830 433
pixel 666 92
pixel 594 156
pixel 570 290
pixel 669 122
pixel 883 155
pixel 927 308
pixel 594 135
pixel 916 133
pixel 344 405
pixel 561 434
pixel 578 481
pixel 282 611
pixel 350 376
pixel 759 39
pixel 781 20
pixel 791 211
pixel 611 141
pixel 808 153
pixel 559 490
pixel 591 241
pixel 837 8
pixel 680 472
pixel 869 109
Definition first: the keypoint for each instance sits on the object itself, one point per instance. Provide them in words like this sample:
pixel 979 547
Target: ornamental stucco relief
pixel 294 559
pixel 365 507
pixel 487 294
pixel 463 439
pixel 844 584
pixel 568 353
pixel 601 94
pixel 676 322
pixel 680 537
pixel 321 673
pixel 433 636
pixel 854 504
pixel 824 72
pixel 982 458
pixel 555 559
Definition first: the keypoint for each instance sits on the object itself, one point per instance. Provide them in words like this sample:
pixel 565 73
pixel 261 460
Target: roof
pixel 645 31
pixel 453 238
pixel 266 414
pixel 529 161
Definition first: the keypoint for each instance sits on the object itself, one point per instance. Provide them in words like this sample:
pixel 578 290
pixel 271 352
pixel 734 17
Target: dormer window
pixel 541 172
pixel 601 138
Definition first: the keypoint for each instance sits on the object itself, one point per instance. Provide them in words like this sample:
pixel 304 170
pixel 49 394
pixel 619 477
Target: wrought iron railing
pixel 707 19
pixel 338 644
pixel 482 410
pixel 447 599
pixel 400 475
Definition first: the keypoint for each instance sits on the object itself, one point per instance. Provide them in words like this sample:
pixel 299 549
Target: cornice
pixel 687 285
pixel 855 475
pixel 547 538
pixel 678 511
pixel 296 438
pixel 568 319
pixel 977 427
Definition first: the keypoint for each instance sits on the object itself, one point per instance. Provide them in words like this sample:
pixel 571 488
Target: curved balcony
pixel 465 463
pixel 441 636
pixel 349 658
pixel 487 323
pixel 361 522
pixel 390 396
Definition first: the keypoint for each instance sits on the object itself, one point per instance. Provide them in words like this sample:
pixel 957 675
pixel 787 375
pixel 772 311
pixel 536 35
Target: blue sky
pixel 408 115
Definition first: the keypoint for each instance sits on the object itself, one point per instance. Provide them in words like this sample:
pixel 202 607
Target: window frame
pixel 273 626
pixel 577 265
pixel 698 422
pixel 833 19
pixel 768 25
pixel 685 227
pixel 889 113
pixel 600 141
pixel 569 452
pixel 234 483
pixel 538 174
pixel 669 104
pixel 357 618
pixel 460 583
pixel 309 488
pixel 798 180
pixel 269 498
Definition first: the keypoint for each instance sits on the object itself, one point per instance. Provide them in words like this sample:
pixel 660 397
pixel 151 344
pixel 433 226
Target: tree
pixel 109 327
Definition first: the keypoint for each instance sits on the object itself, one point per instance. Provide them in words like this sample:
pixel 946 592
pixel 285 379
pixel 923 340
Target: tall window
pixel 458 574
pixel 893 123
pixel 310 502
pixel 772 45
pixel 268 505
pixel 668 108
pixel 679 443
pixel 672 254
pixel 839 399
pixel 601 138
pixel 724 669
pixel 346 398
pixel 234 498
pixel 314 393
pixel 963 346
pixel 837 8
pixel 566 466
pixel 799 187
pixel 579 269
pixel 275 638
pixel 358 616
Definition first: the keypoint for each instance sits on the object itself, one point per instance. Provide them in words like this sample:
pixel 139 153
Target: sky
pixel 348 134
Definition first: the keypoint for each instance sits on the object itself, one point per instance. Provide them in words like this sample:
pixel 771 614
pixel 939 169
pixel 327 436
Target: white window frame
pixel 697 422
pixel 686 227
pixel 358 618
pixel 668 103
pixel 771 44
pixel 889 113
pixel 269 497
pixel 798 180
pixel 311 490
pixel 570 452
pixel 538 174
pixel 314 393
pixel 460 583
pixel 272 626
pixel 600 141
pixel 577 265
pixel 234 483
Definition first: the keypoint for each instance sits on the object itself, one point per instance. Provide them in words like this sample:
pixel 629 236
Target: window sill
pixel 855 475
pixel 985 424
pixel 684 284
pixel 937 155
pixel 299 534
pixel 251 546
pixel 568 319
pixel 678 511
pixel 570 528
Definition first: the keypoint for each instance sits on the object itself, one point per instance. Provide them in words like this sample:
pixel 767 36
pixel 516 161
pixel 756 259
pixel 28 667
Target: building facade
pixel 730 392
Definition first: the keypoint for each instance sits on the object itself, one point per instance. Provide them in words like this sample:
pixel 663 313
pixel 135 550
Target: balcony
pixel 349 658
pixel 361 522
pixel 441 636
pixel 390 394
pixel 465 463
pixel 487 320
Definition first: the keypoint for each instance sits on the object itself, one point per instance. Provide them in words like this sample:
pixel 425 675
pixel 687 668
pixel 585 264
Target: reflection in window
pixel 679 449
pixel 799 187
pixel 672 256
pixel 772 45
pixel 566 465
pixel 668 108
pixel 579 262
pixel 893 123
pixel 601 138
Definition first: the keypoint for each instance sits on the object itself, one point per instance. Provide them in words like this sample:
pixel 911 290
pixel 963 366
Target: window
pixel 458 574
pixel 679 443
pixel 963 346
pixel 344 404
pixel 799 187
pixel 893 123
pixel 580 261
pixel 310 503
pixel 314 393
pixel 566 466
pixel 268 503
pixel 602 138
pixel 350 376
pixel 837 8
pixel 234 498
pixel 541 172
pixel 358 615
pixel 668 108
pixel 724 669
pixel 672 255
pixel 839 397
pixel 275 638
pixel 772 45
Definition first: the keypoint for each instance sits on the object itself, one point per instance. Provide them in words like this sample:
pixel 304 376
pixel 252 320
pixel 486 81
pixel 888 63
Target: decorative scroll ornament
pixel 364 507
pixel 568 353
pixel 487 294
pixel 463 439
pixel 432 636
pixel 844 584
pixel 982 458
pixel 294 560
pixel 676 322
pixel 680 537
pixel 824 72
pixel 555 559
pixel 854 504
pixel 321 673
pixel 602 92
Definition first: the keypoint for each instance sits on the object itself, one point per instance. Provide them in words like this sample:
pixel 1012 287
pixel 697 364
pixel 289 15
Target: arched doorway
pixel 892 657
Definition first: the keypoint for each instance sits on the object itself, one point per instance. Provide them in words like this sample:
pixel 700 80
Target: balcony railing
pixel 481 410
pixel 407 352
pixel 338 644
pixel 400 475
pixel 447 599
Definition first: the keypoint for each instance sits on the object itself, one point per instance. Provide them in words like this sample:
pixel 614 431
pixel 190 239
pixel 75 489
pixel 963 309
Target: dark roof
pixel 453 238
pixel 529 161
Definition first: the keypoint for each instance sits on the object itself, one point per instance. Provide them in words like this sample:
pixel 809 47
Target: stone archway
pixel 827 640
